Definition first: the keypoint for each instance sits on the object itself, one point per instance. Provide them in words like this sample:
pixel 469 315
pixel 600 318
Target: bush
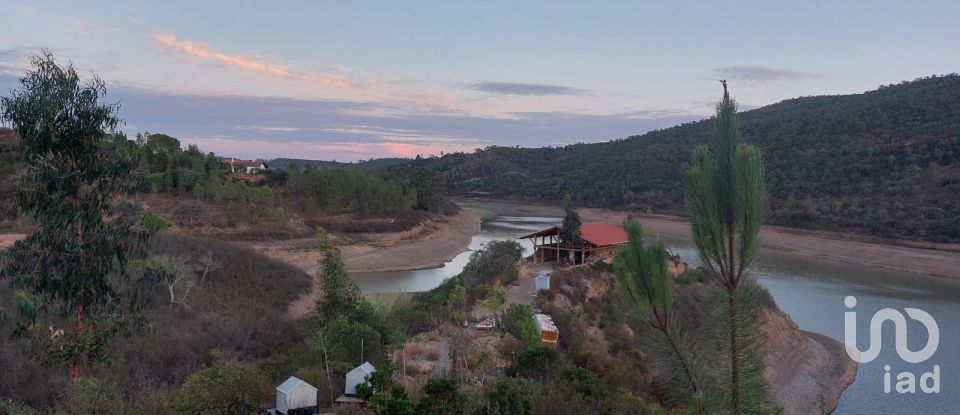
pixel 518 320
pixel 226 388
pixel 509 396
pixel 152 223
pixel 188 212
pixel 537 362
pixel 442 396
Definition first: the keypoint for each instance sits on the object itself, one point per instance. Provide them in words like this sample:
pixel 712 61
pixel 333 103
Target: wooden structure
pixel 601 240
pixel 549 335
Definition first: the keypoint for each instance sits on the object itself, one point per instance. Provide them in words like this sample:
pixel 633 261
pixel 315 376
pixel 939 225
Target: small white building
pixel 296 396
pixel 357 376
pixel 542 282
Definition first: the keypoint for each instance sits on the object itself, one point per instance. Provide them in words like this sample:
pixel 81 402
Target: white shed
pixel 357 376
pixel 295 394
pixel 542 282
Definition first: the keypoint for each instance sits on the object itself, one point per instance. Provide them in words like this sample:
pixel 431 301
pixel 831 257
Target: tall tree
pixel 341 295
pixel 644 281
pixel 725 198
pixel 570 234
pixel 70 272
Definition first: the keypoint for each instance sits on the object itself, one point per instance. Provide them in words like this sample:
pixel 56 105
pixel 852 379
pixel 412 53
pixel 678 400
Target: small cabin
pixel 542 282
pixel 549 335
pixel 600 240
pixel 296 397
pixel 356 377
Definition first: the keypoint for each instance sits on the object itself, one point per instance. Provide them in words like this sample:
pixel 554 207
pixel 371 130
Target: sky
pixel 357 80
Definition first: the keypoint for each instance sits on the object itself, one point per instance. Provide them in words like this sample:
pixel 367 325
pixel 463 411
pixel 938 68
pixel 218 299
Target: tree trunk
pixel 75 364
pixel 734 353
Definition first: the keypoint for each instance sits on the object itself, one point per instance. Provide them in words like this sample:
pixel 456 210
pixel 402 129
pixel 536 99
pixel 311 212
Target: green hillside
pixel 885 162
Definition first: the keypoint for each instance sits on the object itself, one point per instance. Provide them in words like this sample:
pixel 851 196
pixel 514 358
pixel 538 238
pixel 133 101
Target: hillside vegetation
pixel 885 163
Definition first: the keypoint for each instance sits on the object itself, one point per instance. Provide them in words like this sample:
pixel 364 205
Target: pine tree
pixel 725 199
pixel 70 272
pixel 570 234
pixel 644 281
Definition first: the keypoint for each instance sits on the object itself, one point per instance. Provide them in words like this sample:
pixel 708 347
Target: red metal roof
pixel 600 234
pixel 597 233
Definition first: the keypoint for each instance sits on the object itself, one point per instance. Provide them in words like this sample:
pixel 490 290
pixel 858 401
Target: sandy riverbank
pixel 916 257
pixel 426 246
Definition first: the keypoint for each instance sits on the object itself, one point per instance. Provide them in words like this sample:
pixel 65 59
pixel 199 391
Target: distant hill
pixel 884 162
pixel 372 164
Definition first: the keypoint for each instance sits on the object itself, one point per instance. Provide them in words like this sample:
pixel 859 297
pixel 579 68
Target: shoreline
pixel 937 260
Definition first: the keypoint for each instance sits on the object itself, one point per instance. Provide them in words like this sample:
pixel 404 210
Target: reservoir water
pixel 812 292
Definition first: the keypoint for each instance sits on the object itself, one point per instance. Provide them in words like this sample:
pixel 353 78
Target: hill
pixel 884 162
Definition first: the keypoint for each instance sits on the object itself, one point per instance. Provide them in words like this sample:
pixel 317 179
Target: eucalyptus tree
pixel 725 198
pixel 70 273
pixel 644 282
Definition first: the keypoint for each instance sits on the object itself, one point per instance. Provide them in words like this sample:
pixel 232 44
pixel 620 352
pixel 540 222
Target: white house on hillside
pixel 246 166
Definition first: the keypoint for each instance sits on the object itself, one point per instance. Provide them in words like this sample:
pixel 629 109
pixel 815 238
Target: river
pixel 812 292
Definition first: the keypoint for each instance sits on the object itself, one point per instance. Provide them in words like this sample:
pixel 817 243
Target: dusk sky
pixel 355 80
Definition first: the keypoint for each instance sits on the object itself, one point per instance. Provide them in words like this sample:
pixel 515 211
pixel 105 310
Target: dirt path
pixel 917 257
pixel 7 240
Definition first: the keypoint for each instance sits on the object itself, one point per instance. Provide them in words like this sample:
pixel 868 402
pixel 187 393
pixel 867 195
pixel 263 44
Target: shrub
pixel 442 396
pixel 537 362
pixel 226 388
pixel 518 320
pixel 188 211
pixel 152 223
pixel 507 395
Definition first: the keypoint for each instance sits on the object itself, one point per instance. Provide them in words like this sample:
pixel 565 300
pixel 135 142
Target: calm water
pixel 811 291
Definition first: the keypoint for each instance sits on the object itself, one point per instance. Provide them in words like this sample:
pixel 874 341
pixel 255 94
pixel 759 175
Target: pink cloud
pixel 342 151
pixel 170 42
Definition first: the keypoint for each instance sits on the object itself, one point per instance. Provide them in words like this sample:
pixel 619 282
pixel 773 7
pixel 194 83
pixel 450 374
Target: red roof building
pixel 600 241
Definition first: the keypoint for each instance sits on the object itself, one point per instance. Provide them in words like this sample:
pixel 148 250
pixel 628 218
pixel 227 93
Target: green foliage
pixel 642 274
pixel 537 362
pixel 497 261
pixel 74 262
pixel 518 320
pixel 644 281
pixel 350 191
pixel 442 396
pixel 166 167
pixel 340 294
pixel 152 223
pixel 395 403
pixel 885 162
pixel 725 206
pixel 570 234
pixel 8 407
pixel 495 297
pixel 350 342
pixel 726 198
pixel 377 382
pixel 507 395
pixel 226 388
